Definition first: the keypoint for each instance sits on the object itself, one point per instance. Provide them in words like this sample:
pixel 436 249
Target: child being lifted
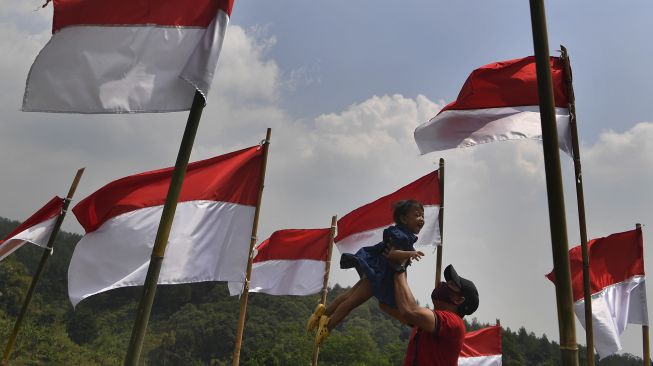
pixel 377 274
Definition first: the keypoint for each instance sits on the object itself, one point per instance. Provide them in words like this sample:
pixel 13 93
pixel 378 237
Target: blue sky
pixel 367 48
pixel 343 84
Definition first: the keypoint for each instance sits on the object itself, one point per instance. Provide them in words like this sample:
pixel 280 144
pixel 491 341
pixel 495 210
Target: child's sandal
pixel 322 331
pixel 315 317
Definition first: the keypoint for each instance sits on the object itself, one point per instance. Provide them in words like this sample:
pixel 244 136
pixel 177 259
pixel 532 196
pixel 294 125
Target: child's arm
pixel 403 256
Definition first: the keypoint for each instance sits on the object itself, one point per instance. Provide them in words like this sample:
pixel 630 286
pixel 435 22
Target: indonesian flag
pixel 289 262
pixel 209 238
pixel 364 226
pixel 498 102
pixel 36 229
pixel 617 284
pixel 127 56
pixel 482 348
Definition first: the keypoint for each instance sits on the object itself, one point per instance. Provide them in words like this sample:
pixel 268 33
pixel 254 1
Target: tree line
pixel 195 324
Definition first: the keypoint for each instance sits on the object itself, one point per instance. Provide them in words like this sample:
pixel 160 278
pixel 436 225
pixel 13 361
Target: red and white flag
pixel 617 284
pixel 36 229
pixel 126 56
pixel 289 262
pixel 364 226
pixel 482 348
pixel 498 102
pixel 210 235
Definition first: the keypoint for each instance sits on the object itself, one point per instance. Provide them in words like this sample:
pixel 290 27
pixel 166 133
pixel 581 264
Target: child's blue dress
pixel 373 265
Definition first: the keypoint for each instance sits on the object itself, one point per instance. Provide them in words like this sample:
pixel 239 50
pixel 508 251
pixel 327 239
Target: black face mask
pixel 444 293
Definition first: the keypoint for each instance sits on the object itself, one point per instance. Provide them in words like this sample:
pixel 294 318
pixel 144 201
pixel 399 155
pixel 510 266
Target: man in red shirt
pixel 438 334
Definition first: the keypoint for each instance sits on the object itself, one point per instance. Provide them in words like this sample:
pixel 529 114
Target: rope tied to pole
pixel 262 143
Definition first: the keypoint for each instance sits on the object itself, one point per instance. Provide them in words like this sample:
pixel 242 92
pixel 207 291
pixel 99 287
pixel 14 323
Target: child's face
pixel 414 219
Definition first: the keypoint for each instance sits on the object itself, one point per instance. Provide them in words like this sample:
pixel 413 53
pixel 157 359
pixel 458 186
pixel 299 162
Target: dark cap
pixel 467 288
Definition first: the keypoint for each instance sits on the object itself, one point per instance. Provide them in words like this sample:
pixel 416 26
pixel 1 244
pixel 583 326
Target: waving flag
pixel 617 284
pixel 289 262
pixel 364 226
pixel 482 348
pixel 498 102
pixel 36 229
pixel 126 56
pixel 209 238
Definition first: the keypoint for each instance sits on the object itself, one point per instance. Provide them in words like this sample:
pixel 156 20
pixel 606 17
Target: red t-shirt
pixel 440 347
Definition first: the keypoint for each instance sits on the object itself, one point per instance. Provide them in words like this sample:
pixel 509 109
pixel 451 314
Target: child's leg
pixel 331 308
pixel 360 293
pixel 393 312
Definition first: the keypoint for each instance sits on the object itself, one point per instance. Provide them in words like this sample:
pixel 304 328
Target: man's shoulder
pixel 449 321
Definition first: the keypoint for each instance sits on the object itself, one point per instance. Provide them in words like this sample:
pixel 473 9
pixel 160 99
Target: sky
pixel 343 84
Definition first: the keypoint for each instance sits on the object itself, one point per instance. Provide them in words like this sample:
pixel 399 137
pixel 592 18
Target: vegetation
pixel 195 324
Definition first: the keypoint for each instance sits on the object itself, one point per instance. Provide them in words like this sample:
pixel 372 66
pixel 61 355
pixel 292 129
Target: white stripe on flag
pixel 124 69
pixel 612 309
pixel 284 277
pixel 463 128
pixel 209 241
pixel 37 234
pixel 429 236
pixel 494 360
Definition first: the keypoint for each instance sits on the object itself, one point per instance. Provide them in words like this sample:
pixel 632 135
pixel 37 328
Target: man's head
pixel 457 293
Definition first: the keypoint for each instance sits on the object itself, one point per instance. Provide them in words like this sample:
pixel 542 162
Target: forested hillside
pixel 196 324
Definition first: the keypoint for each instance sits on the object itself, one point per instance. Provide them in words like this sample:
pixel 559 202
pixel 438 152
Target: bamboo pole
pixel 646 350
pixel 438 260
pixel 244 297
pixel 556 203
pixel 37 275
pixel 163 232
pixel 580 200
pixel 325 283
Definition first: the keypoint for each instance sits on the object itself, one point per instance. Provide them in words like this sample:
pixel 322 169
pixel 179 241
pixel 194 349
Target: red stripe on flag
pixel 483 342
pixel 295 244
pixel 508 84
pixel 377 214
pixel 613 259
pixel 183 13
pixel 233 177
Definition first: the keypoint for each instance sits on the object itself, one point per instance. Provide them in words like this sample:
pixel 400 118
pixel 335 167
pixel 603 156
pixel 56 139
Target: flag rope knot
pixel 50 249
pixel 263 142
pixel 63 207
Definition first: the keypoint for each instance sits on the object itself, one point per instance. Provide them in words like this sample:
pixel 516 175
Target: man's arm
pixel 408 308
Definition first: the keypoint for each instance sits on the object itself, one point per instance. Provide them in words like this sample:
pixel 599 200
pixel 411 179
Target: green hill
pixel 195 324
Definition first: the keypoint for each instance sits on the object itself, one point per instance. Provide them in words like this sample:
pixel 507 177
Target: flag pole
pixel 245 295
pixel 327 270
pixel 438 260
pixel 163 232
pixel 580 200
pixel 556 203
pixel 44 257
pixel 646 354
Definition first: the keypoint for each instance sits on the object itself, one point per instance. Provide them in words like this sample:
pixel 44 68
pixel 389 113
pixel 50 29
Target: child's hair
pixel 400 208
